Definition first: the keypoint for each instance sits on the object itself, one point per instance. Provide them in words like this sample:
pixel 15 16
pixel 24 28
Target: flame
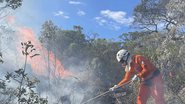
pixel 39 64
pixel 59 69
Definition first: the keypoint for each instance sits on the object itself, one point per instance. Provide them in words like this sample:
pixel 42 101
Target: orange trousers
pixel 156 90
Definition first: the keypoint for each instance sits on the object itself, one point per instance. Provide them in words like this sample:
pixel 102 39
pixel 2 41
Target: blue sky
pixel 108 18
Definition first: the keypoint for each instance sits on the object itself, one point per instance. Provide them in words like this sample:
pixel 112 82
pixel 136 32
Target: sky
pixel 107 18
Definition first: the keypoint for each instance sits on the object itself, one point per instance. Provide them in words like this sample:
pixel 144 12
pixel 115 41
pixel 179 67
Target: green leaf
pixel 20 71
pixel 8 75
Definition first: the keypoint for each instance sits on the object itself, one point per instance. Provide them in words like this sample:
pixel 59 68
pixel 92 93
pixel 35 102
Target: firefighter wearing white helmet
pixel 123 57
pixel 151 83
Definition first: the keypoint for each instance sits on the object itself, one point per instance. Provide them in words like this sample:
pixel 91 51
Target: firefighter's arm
pixel 145 71
pixel 125 79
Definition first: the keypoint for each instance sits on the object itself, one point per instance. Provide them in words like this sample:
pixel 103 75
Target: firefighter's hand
pixel 139 75
pixel 113 88
pixel 135 78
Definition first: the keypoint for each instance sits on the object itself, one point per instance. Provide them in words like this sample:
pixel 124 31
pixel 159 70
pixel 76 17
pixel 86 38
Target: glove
pixel 113 88
pixel 134 78
pixel 139 75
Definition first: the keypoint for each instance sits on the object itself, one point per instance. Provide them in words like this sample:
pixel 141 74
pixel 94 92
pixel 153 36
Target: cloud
pixel 61 14
pixel 75 2
pixel 113 19
pixel 81 13
pixel 101 21
pixel 117 16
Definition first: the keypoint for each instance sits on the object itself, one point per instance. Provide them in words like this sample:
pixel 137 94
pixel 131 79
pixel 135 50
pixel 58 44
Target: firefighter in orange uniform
pixel 150 77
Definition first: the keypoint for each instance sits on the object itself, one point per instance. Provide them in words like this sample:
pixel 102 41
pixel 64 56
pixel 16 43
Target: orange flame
pixel 39 64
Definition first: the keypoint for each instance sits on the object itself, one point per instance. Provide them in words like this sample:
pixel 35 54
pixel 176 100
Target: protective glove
pixel 135 78
pixel 113 88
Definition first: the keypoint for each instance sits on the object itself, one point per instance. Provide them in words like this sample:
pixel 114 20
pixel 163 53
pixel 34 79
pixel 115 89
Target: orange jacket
pixel 139 66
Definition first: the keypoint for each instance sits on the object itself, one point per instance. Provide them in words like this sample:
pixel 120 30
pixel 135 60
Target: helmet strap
pixel 126 61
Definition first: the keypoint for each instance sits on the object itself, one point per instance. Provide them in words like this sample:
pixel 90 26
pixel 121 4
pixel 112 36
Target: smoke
pixel 39 64
pixel 70 89
pixel 57 84
pixel 10 19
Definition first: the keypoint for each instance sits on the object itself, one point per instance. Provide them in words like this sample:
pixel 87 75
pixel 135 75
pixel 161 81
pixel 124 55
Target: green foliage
pixel 23 90
pixel 164 53
pixel 73 48
pixel 70 40
pixel 48 34
pixel 151 14
pixel 13 4
pixel 104 52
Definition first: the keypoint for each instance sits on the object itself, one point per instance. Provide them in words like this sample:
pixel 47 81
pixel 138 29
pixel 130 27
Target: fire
pixel 39 64
pixel 59 69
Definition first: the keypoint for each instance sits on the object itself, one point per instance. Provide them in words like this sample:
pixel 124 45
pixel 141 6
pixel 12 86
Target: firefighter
pixel 150 77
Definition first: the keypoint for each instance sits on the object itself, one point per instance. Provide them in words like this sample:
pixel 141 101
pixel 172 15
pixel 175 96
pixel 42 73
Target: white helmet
pixel 122 56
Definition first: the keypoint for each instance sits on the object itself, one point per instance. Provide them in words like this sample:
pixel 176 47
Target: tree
pixel 13 4
pixel 147 14
pixel 155 15
pixel 70 43
pixel 78 28
pixel 48 34
pixel 175 13
pixel 48 38
pixel 165 52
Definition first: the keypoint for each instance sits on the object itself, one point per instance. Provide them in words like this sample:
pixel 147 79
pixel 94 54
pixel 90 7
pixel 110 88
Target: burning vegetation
pixel 59 66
